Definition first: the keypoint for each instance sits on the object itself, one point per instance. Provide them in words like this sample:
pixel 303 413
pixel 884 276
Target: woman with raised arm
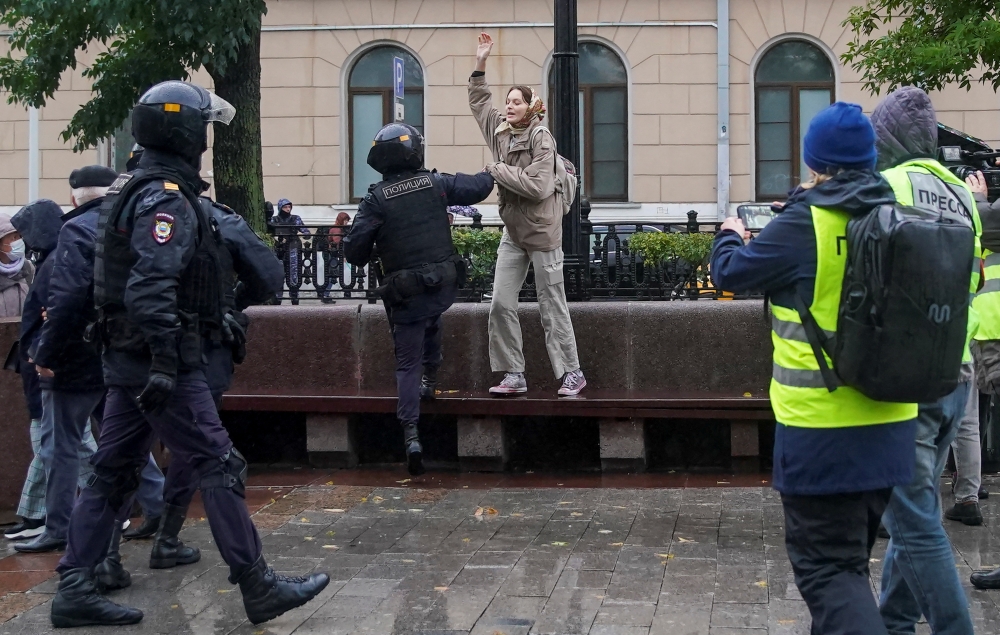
pixel 531 208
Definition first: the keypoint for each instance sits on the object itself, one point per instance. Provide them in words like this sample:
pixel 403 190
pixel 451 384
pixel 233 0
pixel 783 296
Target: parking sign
pixel 397 75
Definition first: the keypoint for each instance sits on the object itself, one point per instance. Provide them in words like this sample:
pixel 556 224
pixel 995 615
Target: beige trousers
pixel 505 329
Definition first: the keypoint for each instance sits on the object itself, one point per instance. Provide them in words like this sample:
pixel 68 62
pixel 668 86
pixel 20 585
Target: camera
pixel 965 155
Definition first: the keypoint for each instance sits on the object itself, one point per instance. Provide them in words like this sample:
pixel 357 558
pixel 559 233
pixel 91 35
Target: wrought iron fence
pixel 315 267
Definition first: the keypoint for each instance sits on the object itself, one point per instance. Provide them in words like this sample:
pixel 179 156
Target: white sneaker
pixel 512 384
pixel 573 383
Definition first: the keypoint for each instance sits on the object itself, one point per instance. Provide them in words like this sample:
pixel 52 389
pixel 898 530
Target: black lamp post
pixel 566 121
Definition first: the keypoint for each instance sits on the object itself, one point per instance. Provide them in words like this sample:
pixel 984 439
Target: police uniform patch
pixel 163 227
pixel 406 187
pixel 167 185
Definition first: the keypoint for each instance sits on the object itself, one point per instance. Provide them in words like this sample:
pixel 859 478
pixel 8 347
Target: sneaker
pixel 967 513
pixel 512 384
pixel 573 383
pixel 27 528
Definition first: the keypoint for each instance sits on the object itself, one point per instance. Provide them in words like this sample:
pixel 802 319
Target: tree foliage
pixel 140 44
pixel 660 247
pixel 926 43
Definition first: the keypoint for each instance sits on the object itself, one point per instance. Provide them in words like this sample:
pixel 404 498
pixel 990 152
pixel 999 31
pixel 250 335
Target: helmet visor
pixel 219 110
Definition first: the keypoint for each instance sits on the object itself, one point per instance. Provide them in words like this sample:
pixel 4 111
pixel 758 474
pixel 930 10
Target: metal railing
pixel 315 267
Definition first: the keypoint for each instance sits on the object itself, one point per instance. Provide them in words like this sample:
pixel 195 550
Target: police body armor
pixel 201 289
pixel 414 243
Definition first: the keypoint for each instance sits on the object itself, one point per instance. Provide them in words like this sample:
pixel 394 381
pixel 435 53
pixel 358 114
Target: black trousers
pixel 418 350
pixel 829 541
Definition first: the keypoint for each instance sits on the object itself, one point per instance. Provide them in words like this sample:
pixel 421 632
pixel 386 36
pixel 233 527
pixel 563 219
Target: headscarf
pixel 536 109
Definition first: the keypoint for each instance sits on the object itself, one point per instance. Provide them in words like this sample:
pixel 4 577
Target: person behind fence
pixel 918 572
pixel 403 220
pixel 159 286
pixel 287 229
pixel 534 191
pixel 837 454
pixel 67 362
pixel 333 265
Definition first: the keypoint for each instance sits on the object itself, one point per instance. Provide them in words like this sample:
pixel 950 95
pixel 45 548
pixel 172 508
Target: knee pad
pixel 115 484
pixel 229 471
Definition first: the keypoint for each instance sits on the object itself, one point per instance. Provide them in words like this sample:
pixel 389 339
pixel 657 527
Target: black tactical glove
pixel 154 396
pixel 234 334
pixel 159 385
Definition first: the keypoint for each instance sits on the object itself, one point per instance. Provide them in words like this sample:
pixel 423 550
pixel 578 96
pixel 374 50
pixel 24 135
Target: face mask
pixel 16 250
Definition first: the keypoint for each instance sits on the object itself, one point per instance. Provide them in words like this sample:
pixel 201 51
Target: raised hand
pixel 483 51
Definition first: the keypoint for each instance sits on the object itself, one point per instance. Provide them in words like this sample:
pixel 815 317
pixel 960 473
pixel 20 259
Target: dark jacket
pixel 152 291
pixel 70 306
pixel 458 189
pixel 782 261
pixel 39 224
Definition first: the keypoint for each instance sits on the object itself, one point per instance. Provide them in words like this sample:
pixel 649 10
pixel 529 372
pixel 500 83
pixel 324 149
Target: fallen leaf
pixel 440 588
pixel 405 480
pixel 416 510
pixel 746 394
pixel 364 499
pixel 559 544
pixel 408 561
pixel 490 511
pixel 722 482
pixel 175 606
pixel 617 544
pixel 874 560
pixel 665 556
pixel 576 514
pixel 377 499
pixel 761 583
pixel 303 520
pixel 517 514
pixel 225 590
pixel 329 482
pixel 334 547
pixel 465 487
pixel 465 540
pixel 786 622
pixel 679 539
pixel 334 511
pixel 331 533
pixel 564 502
pixel 308 538
pixel 604 531
pixel 479 511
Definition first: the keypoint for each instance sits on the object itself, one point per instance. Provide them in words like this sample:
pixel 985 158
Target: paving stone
pixel 704 561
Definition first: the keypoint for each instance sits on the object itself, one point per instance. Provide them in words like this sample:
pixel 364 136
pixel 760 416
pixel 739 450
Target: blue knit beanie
pixel 840 136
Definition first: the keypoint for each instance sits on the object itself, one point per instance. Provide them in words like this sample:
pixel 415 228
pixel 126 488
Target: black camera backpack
pixel 904 304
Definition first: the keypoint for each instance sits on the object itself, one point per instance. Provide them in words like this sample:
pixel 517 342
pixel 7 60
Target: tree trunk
pixel 236 164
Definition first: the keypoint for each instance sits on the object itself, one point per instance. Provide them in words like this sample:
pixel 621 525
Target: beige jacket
pixel 530 208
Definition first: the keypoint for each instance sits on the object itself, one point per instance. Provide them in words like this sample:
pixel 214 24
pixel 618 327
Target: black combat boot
pixel 168 551
pixel 110 575
pixel 146 530
pixel 266 595
pixel 986 579
pixel 414 451
pixel 428 387
pixel 77 603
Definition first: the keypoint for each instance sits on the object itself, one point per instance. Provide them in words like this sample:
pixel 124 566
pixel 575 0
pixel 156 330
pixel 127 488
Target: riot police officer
pixel 404 218
pixel 159 285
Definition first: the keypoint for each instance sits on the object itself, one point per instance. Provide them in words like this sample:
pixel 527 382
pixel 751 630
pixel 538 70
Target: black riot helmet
pixel 173 116
pixel 133 157
pixel 397 147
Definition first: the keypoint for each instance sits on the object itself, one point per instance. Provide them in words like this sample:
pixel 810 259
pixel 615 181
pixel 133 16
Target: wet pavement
pixel 494 554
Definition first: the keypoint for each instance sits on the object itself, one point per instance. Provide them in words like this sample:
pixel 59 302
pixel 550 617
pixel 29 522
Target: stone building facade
pixel 655 145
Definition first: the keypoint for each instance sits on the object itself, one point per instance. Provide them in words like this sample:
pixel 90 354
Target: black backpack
pixel 904 305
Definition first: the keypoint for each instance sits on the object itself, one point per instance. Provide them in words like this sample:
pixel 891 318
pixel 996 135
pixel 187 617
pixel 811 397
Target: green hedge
pixel 480 245
pixel 657 248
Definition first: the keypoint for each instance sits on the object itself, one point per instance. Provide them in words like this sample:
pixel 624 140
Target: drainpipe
pixel 722 32
pixel 33 164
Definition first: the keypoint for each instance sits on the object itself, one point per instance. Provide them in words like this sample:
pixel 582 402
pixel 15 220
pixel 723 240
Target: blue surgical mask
pixel 16 250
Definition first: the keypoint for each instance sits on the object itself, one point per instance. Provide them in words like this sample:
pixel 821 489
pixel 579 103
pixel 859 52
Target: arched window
pixel 603 122
pixel 794 81
pixel 370 102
